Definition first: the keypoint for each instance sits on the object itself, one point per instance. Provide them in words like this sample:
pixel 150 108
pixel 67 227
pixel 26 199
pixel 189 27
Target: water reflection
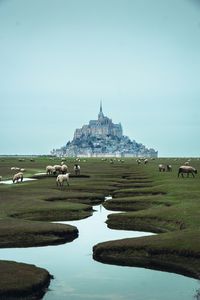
pixel 11 182
pixel 79 277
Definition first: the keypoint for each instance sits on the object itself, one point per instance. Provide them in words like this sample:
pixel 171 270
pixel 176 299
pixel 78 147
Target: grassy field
pixel 162 203
pixel 149 200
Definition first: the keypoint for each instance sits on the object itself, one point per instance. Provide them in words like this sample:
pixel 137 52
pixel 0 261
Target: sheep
pixel 188 170
pixel 64 169
pixel 61 178
pixel 169 168
pixel 15 169
pixel 145 161
pixel 161 168
pixel 138 161
pixel 58 168
pixel 77 169
pixel 17 177
pixel 50 170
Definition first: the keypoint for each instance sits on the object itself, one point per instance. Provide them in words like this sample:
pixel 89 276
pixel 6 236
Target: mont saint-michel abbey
pixel 103 138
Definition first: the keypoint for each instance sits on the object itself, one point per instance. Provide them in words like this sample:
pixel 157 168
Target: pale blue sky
pixel 59 58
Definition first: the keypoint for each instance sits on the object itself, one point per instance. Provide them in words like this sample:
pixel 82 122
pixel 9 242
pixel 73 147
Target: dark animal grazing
pixel 187 170
pixel 169 168
pixel 77 169
pixel 138 161
pixel 163 168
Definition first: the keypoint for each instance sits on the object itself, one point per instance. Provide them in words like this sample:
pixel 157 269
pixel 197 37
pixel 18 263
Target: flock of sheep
pixel 62 173
pixel 62 170
pixel 184 169
pixel 19 175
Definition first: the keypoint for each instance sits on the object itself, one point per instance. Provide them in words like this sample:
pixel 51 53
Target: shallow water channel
pixel 78 277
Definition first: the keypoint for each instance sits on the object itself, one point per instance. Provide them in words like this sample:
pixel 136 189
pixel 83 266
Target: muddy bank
pixel 168 252
pixel 29 234
pixel 22 281
pixel 171 263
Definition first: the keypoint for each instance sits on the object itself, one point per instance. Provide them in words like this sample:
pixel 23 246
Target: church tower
pixel 100 115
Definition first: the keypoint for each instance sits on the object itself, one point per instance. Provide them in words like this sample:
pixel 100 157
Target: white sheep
pixel 64 169
pixel 15 169
pixel 50 170
pixel 61 178
pixel 187 170
pixel 161 168
pixel 17 177
pixel 58 168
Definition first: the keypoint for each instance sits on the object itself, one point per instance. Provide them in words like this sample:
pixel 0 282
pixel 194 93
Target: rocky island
pixel 103 138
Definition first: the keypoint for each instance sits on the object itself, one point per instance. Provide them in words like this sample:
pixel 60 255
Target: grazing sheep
pixel 58 168
pixel 169 168
pixel 138 161
pixel 17 177
pixel 187 170
pixel 50 170
pixel 64 169
pixel 161 168
pixel 15 169
pixel 77 169
pixel 61 178
pixel 145 161
pixel 186 163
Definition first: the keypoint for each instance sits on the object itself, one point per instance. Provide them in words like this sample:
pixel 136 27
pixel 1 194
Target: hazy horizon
pixel 60 58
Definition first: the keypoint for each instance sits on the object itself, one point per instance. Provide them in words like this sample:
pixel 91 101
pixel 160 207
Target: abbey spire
pixel 100 115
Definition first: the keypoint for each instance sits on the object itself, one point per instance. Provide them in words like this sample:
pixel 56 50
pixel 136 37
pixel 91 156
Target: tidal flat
pixel 149 200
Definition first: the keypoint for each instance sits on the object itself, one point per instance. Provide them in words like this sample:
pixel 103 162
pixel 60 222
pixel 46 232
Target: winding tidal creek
pixel 78 277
